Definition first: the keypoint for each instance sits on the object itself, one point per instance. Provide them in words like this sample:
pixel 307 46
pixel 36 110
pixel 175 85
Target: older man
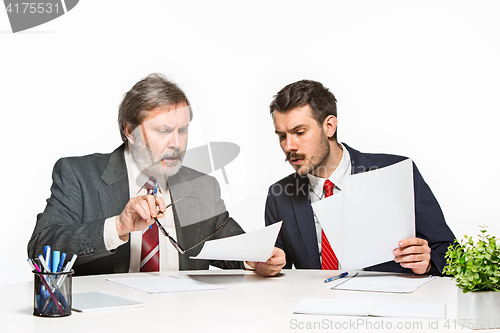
pixel 104 207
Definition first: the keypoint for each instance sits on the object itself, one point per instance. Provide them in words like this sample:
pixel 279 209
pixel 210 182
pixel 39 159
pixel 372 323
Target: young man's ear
pixel 330 126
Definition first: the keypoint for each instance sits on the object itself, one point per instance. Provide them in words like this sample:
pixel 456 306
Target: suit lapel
pixel 359 162
pixel 304 218
pixel 114 195
pixel 186 209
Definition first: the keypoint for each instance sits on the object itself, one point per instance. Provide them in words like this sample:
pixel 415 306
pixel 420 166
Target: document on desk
pixel 164 284
pixel 382 282
pixel 374 211
pixel 253 246
pixel 98 301
pixel 370 307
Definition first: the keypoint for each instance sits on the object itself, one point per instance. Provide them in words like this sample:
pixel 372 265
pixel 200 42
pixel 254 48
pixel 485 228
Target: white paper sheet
pixel 253 246
pixel 383 282
pixel 371 307
pixel 373 212
pixel 99 301
pixel 326 306
pixel 163 284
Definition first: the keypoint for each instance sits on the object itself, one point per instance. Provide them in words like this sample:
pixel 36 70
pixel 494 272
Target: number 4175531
pixel 32 8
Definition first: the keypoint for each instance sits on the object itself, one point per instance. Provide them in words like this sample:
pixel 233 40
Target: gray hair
pixel 153 91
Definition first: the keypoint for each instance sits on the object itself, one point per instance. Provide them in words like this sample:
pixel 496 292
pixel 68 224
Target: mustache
pixel 292 155
pixel 174 153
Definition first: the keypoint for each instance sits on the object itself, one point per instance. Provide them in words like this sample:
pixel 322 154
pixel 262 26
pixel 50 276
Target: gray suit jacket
pixel 88 189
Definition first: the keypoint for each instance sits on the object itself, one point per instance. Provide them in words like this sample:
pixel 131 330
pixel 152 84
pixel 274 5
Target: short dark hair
pixel 155 90
pixel 306 92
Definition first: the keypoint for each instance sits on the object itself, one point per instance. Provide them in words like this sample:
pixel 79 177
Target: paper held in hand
pixel 253 246
pixel 373 212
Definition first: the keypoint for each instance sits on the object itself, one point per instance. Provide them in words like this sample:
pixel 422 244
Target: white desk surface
pixel 250 303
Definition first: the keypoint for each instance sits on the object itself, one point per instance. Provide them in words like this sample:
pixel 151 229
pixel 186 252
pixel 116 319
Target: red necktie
pixel 150 251
pixel 328 258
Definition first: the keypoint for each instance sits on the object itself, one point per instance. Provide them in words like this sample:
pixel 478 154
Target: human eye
pixel 163 130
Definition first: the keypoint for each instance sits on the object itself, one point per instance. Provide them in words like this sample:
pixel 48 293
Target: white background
pixel 415 78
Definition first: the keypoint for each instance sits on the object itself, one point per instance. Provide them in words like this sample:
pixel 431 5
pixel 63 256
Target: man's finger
pixel 142 208
pixel 277 257
pixel 412 241
pixel 275 261
pixel 418 268
pixel 150 200
pixel 413 258
pixel 161 204
pixel 410 250
pixel 265 270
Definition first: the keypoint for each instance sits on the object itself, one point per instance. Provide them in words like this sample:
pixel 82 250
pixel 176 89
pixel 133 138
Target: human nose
pixel 173 140
pixel 290 144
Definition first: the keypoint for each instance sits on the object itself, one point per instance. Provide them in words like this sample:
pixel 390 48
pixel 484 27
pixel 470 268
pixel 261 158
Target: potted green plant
pixel 476 270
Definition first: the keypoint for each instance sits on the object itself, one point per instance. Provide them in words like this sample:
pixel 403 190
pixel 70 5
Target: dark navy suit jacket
pixel 288 201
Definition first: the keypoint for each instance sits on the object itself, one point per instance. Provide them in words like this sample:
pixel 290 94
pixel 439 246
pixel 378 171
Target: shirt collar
pixel 337 177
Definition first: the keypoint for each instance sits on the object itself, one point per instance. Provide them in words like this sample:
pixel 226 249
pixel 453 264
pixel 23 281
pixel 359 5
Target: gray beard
pixel 144 158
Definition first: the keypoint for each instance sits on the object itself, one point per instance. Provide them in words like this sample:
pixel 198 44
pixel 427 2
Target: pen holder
pixel 52 294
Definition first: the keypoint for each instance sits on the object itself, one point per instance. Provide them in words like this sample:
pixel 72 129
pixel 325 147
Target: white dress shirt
pixel 316 187
pixel 169 258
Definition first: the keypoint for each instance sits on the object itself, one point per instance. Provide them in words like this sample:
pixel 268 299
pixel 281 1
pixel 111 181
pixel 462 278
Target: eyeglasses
pixel 174 242
pixel 177 246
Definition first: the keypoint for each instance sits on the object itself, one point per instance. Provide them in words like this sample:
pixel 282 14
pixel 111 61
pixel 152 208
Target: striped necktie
pixel 328 258
pixel 150 251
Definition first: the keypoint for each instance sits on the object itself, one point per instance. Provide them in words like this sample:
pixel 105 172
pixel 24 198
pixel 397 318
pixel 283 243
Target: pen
pixel 68 267
pixel 46 255
pixel 61 262
pixel 155 192
pixel 45 266
pixel 56 258
pixel 70 264
pixel 338 284
pixel 340 276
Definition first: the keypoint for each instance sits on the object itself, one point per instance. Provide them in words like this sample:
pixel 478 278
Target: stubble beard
pixel 322 152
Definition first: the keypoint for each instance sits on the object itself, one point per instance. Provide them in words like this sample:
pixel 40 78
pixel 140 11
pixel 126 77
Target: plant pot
pixel 479 309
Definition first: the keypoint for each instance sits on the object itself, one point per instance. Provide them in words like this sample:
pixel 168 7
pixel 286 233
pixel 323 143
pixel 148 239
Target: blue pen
pixel 61 262
pixel 46 256
pixel 155 192
pixel 56 258
pixel 340 276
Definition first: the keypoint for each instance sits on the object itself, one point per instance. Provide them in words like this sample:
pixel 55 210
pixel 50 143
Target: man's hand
pixel 273 265
pixel 414 253
pixel 138 214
